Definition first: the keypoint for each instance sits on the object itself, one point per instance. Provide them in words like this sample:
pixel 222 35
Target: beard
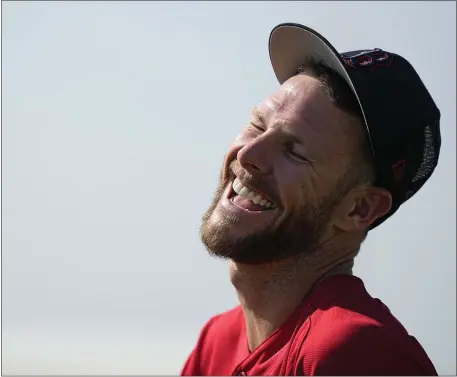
pixel 299 233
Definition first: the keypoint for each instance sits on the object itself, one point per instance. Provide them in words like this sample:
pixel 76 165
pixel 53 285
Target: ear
pixel 361 208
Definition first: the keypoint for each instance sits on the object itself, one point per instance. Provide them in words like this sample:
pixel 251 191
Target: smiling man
pixel 345 140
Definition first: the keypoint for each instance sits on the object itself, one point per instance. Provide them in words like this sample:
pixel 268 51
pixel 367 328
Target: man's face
pixel 280 181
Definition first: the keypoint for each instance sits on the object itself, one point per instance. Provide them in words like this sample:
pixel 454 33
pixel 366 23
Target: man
pixel 332 154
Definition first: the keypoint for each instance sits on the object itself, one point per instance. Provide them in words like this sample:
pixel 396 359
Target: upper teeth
pixel 251 195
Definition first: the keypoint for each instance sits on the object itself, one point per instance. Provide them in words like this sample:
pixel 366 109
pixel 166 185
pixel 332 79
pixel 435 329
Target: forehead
pixel 302 105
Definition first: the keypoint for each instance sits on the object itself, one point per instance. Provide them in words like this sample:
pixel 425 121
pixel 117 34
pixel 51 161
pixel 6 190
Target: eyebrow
pixel 256 115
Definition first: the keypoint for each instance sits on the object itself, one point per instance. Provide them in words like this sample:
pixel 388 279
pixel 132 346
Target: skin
pixel 296 151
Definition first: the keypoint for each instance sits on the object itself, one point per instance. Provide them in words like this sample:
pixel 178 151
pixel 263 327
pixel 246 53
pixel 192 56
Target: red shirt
pixel 339 329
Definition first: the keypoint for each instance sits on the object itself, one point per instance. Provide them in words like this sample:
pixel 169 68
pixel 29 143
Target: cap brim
pixel 291 45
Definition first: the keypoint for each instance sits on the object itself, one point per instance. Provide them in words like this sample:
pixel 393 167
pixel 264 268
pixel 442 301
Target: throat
pixel 269 295
pixel 261 322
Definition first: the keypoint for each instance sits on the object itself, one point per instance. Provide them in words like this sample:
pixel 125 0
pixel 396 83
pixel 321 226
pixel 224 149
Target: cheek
pixel 291 179
pixel 298 183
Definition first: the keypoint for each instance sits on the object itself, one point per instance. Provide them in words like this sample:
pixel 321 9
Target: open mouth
pixel 248 199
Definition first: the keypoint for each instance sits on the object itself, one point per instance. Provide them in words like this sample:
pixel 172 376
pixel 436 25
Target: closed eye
pixel 256 127
pixel 295 155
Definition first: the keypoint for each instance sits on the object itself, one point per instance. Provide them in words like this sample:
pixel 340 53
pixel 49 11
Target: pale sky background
pixel 116 117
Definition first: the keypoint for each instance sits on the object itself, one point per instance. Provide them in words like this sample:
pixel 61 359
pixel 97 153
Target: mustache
pixel 256 181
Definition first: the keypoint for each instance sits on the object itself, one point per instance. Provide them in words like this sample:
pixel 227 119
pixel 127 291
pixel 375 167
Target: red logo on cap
pixel 399 169
pixel 370 59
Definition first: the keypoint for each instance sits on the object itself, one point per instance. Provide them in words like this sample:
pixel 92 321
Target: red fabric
pixel 339 329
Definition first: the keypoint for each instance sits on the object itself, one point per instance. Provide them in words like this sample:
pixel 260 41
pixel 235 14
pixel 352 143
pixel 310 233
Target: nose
pixel 255 156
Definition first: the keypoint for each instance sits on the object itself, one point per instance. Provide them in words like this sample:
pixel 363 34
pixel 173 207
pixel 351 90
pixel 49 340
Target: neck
pixel 270 293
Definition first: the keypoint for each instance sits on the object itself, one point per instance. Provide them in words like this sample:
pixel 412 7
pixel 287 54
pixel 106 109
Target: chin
pixel 247 238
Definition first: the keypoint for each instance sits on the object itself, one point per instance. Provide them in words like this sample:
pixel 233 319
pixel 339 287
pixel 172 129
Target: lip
pixel 229 205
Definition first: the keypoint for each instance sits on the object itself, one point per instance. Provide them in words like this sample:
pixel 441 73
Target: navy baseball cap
pixel 401 118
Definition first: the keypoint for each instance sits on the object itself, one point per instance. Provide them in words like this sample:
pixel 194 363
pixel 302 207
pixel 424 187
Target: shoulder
pixel 225 325
pixel 219 336
pixel 360 337
pixel 224 328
